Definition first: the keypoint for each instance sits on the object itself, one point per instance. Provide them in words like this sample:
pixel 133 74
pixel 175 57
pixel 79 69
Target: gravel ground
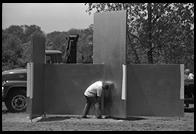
pixel 20 122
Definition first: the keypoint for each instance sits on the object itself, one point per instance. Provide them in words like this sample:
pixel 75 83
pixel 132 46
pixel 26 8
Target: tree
pixel 28 32
pixel 16 46
pixel 59 40
pixel 16 31
pixel 23 32
pixel 158 32
pixel 85 45
pixel 56 40
pixel 11 52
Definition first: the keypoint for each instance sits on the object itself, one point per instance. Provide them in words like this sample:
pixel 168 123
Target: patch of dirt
pixel 21 122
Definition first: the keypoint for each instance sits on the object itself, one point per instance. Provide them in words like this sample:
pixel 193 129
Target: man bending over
pixel 93 97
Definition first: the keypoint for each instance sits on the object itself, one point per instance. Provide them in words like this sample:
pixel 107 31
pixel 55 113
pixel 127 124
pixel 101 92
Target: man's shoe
pixel 99 117
pixel 84 116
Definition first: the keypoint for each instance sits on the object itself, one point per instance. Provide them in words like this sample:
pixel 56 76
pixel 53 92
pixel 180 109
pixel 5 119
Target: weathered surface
pixel 109 40
pixel 65 85
pixel 154 90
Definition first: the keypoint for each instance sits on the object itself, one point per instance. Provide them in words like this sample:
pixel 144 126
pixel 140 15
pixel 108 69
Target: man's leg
pixel 98 109
pixel 86 108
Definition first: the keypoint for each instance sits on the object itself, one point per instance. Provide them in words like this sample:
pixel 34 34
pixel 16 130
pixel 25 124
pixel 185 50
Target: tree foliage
pixel 17 46
pixel 12 51
pixel 164 31
pixel 168 36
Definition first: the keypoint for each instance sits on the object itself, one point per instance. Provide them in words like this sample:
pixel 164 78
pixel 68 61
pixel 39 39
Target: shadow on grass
pixel 128 118
pixel 4 111
pixel 61 118
pixel 46 119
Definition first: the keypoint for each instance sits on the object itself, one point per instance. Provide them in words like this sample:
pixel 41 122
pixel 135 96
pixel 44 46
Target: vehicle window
pixel 53 58
pixel 59 58
pixel 48 59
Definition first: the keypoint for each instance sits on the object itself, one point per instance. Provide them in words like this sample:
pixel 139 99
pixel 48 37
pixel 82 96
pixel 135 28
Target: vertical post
pixel 110 40
pixel 29 88
pixel 35 81
pixel 182 81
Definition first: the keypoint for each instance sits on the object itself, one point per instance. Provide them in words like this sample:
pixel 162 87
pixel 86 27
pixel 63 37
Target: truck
pixel 14 82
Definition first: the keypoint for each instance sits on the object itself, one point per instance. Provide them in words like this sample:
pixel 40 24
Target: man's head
pixel 108 85
pixel 187 71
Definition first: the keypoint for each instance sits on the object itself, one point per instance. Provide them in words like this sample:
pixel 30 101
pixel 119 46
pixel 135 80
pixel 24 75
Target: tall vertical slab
pixel 36 96
pixel 109 40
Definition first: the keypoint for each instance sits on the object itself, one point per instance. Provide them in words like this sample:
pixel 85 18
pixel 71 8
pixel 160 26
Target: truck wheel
pixel 16 101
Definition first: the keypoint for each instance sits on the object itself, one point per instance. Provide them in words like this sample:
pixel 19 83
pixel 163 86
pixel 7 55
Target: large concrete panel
pixel 38 90
pixel 154 90
pixel 109 40
pixel 36 81
pixel 65 85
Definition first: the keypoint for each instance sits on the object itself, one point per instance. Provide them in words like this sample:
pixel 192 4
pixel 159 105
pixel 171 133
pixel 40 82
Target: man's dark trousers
pixel 90 101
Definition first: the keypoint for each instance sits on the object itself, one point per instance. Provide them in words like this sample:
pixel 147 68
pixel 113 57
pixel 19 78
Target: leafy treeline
pixel 16 44
pixel 159 33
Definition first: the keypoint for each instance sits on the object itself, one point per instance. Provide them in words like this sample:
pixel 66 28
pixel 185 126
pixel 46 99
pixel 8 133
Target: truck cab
pixel 14 83
pixel 53 56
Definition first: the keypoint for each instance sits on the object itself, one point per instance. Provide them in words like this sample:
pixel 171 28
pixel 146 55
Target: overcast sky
pixel 49 16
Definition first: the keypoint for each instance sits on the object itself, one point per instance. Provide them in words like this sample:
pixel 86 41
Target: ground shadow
pixel 128 118
pixel 4 111
pixel 47 119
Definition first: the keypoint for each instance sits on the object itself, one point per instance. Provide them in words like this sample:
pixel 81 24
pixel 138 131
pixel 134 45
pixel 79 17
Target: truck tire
pixel 16 101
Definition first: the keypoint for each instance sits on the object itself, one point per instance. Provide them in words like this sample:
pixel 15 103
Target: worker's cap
pixel 108 84
pixel 187 70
